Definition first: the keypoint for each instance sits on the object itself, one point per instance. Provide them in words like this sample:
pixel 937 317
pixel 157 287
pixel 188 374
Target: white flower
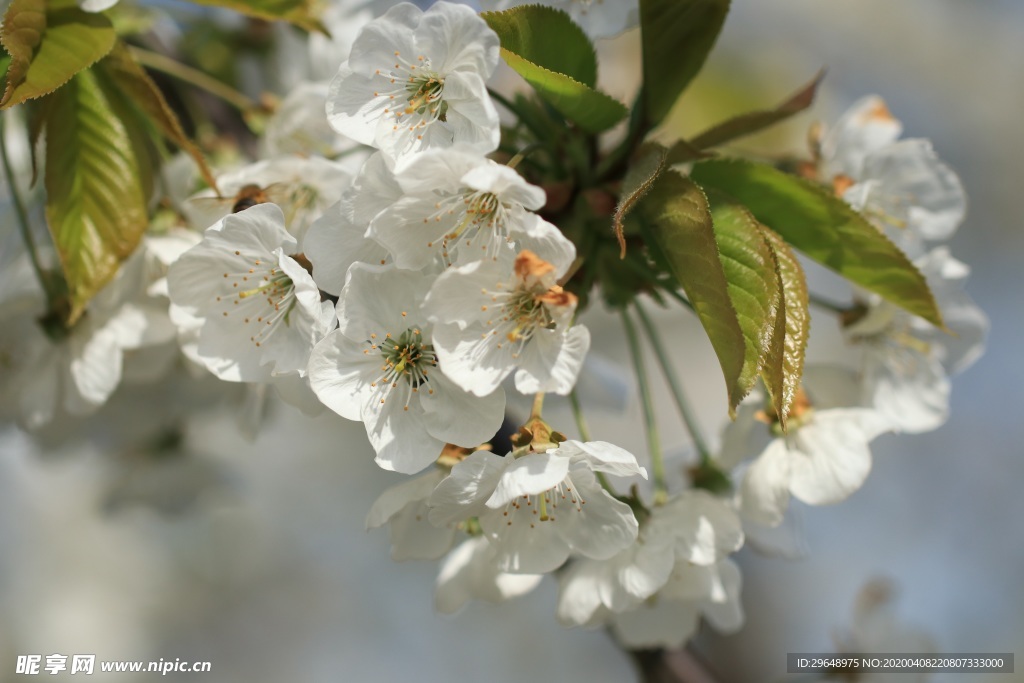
pixel 338 238
pixel 693 528
pixel 493 317
pixel 404 509
pixel 416 80
pixel 902 186
pixel 471 572
pixel 539 507
pixel 303 187
pixel 379 367
pixel 298 127
pixel 45 367
pixel 671 617
pixel 907 361
pixel 464 207
pixel 822 459
pixel 599 18
pixel 257 311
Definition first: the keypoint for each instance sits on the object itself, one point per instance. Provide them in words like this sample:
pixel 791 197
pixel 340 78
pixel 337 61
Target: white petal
pixel 705 527
pixel 341 375
pixel 551 361
pixel 457 39
pixel 928 191
pixel 334 243
pixel 523 546
pixel 764 493
pixel 604 527
pixel 472 359
pixel 375 298
pixel 464 492
pixel 867 126
pixel 458 417
pixel 909 389
pixel 395 498
pixel 528 475
pixel 829 457
pixel 602 456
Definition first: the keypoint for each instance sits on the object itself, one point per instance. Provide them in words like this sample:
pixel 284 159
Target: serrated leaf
pixel 642 173
pixel 825 228
pixel 677 37
pixel 22 30
pixel 133 81
pixel 297 12
pixel 72 40
pixel 95 206
pixel 676 215
pixel 547 37
pixel 747 124
pixel 753 281
pixel 591 110
pixel 783 364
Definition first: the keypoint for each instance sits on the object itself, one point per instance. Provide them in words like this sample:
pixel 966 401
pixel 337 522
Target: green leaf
pixel 547 37
pixel 642 173
pixel 676 214
pixel 677 37
pixel 783 364
pixel 753 122
pixel 47 52
pixel 133 81
pixel 591 109
pixel 95 205
pixel 825 228
pixel 298 12
pixel 753 281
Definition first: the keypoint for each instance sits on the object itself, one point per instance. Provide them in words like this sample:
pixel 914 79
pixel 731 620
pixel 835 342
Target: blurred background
pixel 253 555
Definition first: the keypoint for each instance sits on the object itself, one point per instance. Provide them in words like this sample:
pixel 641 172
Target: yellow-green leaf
pixel 591 110
pixel 134 82
pixel 784 362
pixel 95 205
pixel 548 38
pixel 825 228
pixel 69 40
pixel 677 36
pixel 675 213
pixel 753 284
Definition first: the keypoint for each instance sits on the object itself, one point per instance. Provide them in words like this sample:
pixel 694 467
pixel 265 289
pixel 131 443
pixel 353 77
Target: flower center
pixel 263 298
pixel 478 220
pixel 412 93
pixel 531 304
pixel 408 360
pixel 542 507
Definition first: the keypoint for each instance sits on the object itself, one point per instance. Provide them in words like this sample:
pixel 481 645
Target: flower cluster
pixel 385 260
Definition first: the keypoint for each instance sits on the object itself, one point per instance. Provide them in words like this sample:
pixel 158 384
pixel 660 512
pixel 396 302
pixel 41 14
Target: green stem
pixel 831 306
pixel 653 441
pixel 19 209
pixel 159 62
pixel 673 384
pixel 581 427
